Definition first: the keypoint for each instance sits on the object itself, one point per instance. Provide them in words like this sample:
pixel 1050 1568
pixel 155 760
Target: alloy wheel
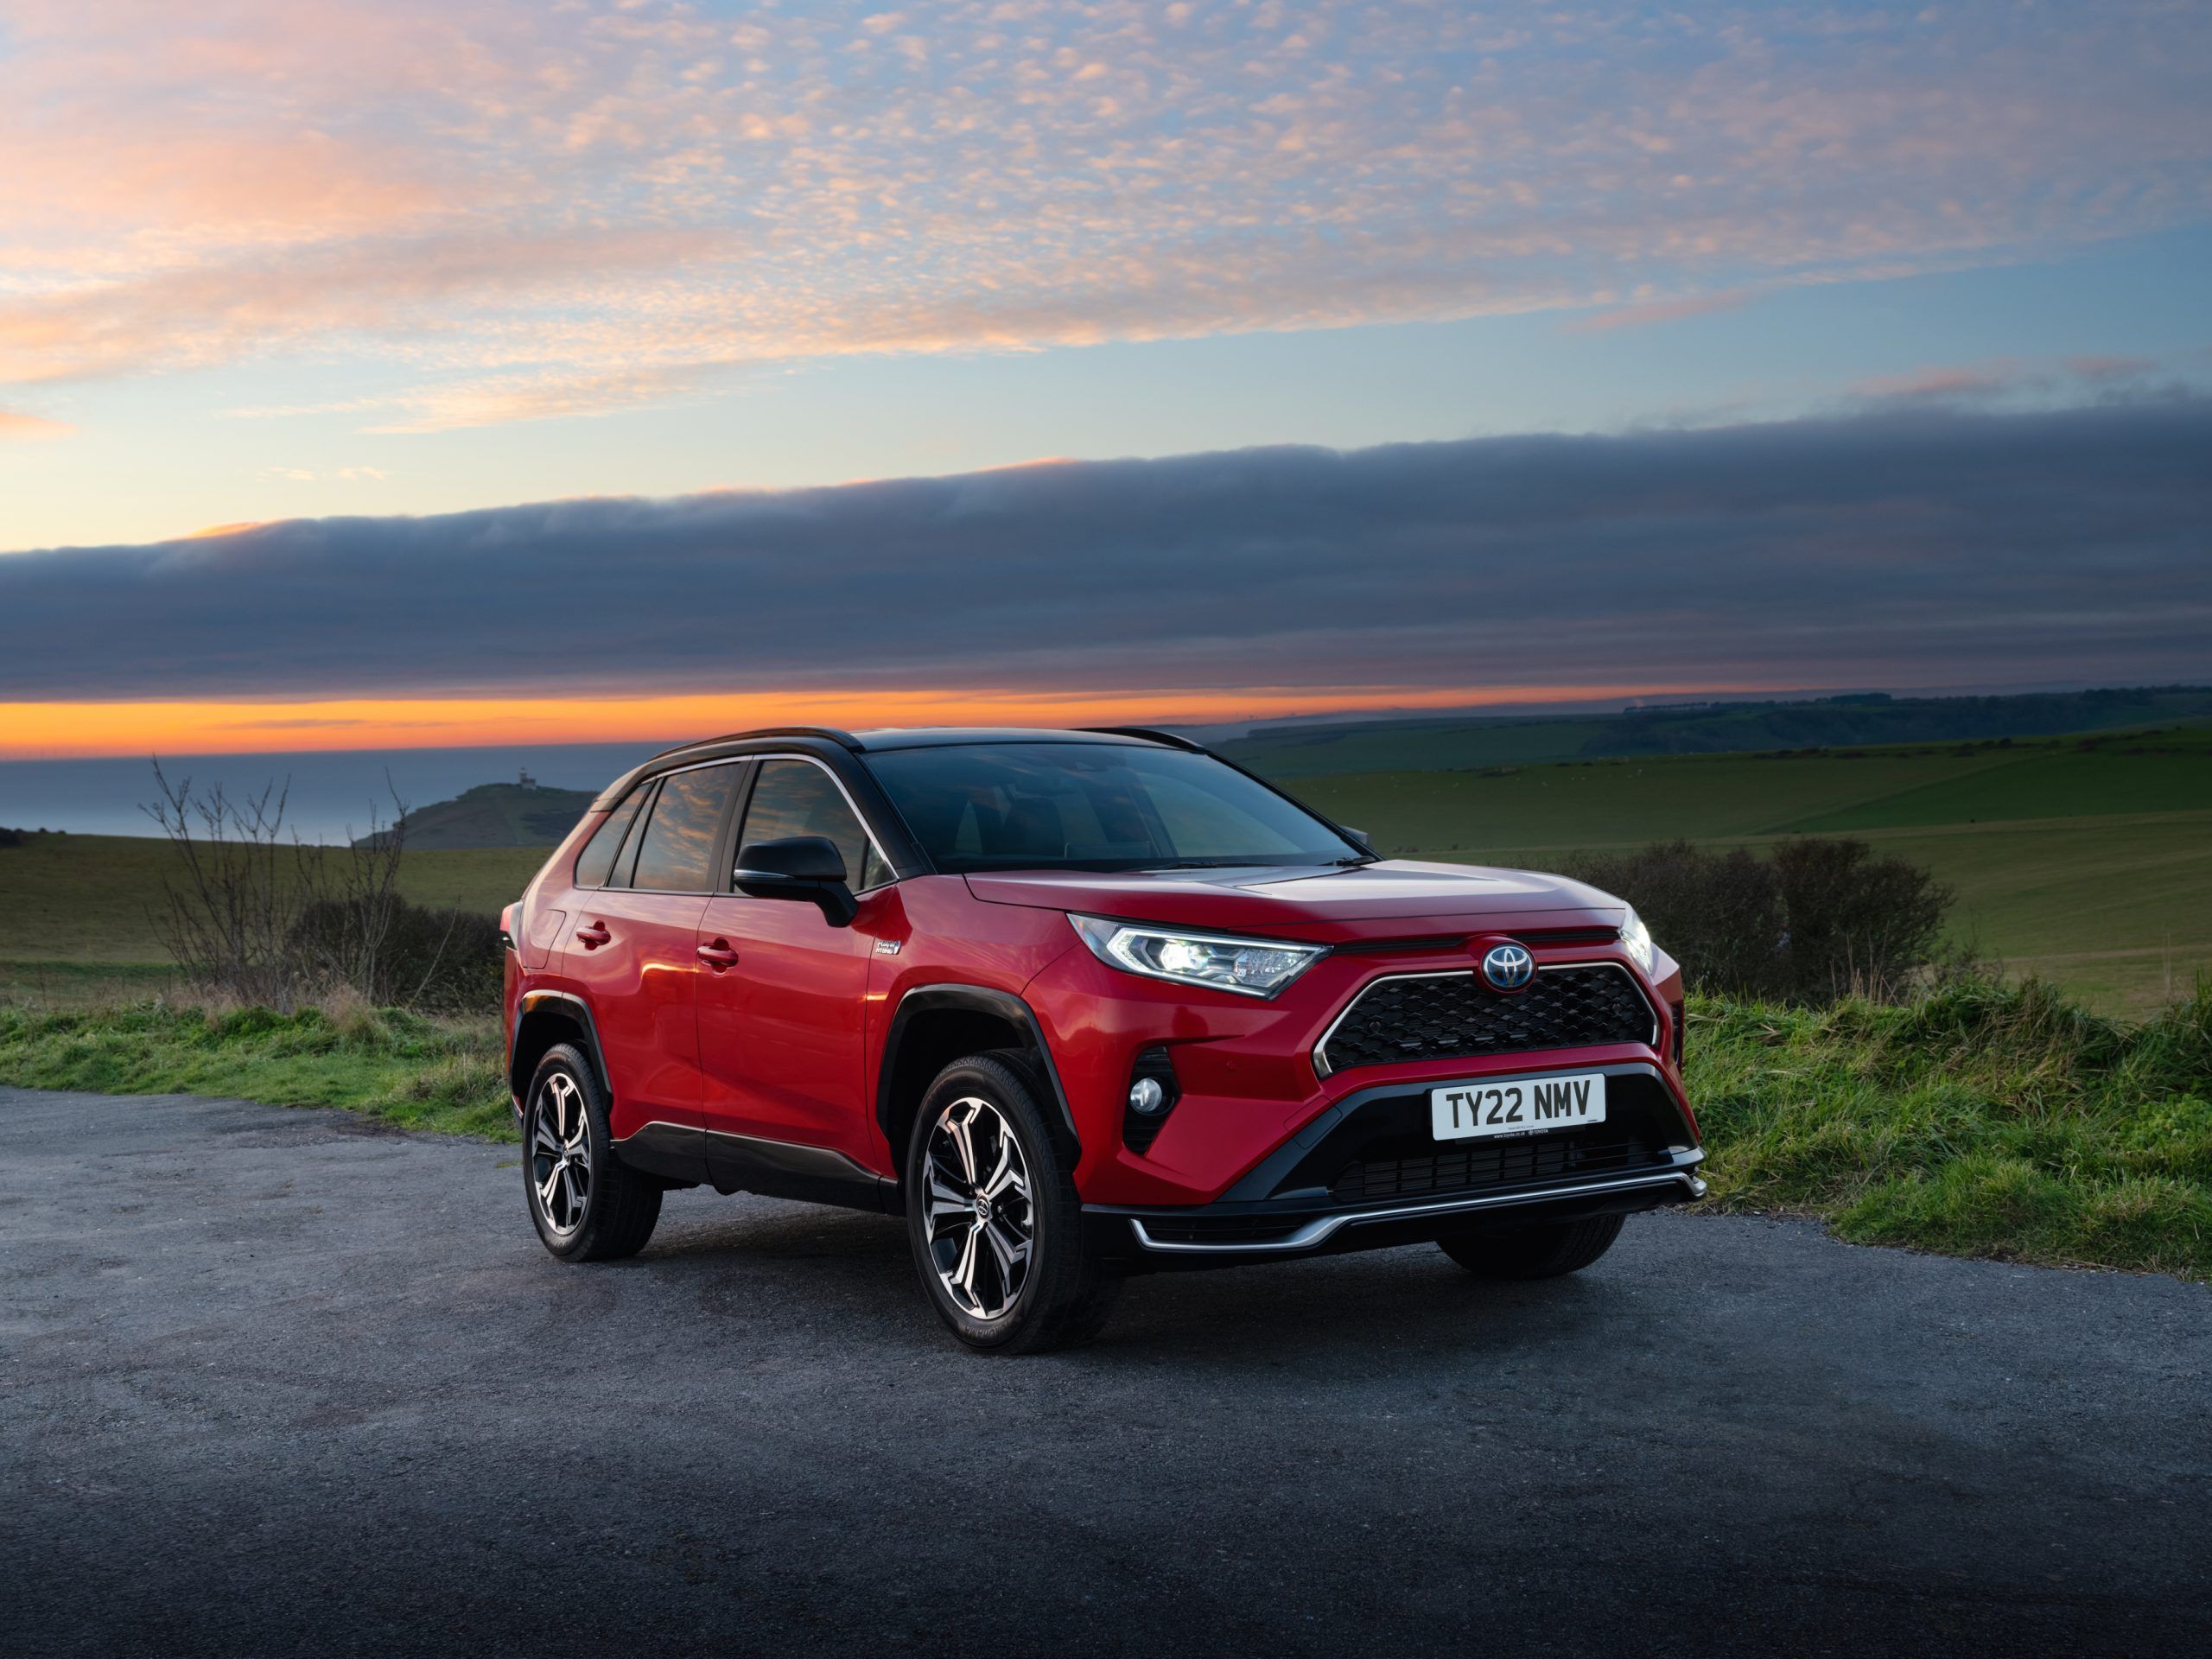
pixel 979 1222
pixel 560 1153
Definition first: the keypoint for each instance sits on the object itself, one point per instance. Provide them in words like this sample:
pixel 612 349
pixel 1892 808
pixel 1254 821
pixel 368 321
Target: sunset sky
pixel 410 373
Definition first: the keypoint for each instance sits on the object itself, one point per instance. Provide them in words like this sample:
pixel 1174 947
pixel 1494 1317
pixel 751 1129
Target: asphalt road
pixel 287 1382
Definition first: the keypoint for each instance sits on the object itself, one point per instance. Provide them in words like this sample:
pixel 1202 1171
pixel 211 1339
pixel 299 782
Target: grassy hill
pixel 497 814
pixel 1422 745
pixel 2086 859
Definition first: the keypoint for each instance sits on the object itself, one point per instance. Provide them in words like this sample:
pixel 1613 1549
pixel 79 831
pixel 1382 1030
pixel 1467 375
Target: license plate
pixel 1461 1111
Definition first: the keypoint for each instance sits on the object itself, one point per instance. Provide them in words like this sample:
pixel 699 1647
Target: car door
pixel 783 1027
pixel 631 949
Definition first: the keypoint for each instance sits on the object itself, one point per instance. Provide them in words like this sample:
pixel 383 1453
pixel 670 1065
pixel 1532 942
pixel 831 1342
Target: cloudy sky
pixel 1462 352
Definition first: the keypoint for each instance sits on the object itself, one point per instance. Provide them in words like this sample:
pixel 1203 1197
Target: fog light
pixel 1152 1096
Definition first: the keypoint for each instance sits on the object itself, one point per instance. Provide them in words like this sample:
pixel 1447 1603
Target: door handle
pixel 718 956
pixel 593 934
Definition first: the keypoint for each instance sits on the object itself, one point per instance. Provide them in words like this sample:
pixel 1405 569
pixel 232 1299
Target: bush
pixel 445 961
pixel 1856 923
pixel 1821 920
pixel 1719 915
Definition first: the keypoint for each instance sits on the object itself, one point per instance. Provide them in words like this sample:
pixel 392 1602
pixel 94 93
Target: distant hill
pixel 1704 728
pixel 498 815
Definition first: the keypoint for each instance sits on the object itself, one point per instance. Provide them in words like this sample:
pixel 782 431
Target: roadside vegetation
pixel 420 1071
pixel 1975 1120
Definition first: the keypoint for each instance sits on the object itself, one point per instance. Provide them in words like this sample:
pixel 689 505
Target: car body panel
pixel 1254 897
pixel 783 1030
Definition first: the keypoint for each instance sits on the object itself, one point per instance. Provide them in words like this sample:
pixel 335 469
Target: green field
pixel 79 914
pixel 2087 860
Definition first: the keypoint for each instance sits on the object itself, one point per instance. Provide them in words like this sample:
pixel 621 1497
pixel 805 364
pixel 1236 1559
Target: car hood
pixel 1304 902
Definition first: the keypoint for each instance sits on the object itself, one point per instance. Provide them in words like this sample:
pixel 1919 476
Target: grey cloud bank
pixel 1920 547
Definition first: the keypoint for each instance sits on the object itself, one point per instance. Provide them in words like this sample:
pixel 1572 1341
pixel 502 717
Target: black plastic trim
pixel 1259 1183
pixel 787 1169
pixel 980 999
pixel 532 1001
pixel 675 1152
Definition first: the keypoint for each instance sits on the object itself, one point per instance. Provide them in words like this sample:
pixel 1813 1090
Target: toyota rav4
pixel 1075 1005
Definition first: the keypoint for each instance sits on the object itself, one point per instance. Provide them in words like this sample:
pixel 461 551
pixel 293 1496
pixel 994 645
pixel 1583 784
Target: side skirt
pixel 746 1163
pixel 784 1169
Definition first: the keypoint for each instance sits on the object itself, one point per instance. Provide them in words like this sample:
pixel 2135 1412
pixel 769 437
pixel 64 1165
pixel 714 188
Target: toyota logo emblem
pixel 1507 967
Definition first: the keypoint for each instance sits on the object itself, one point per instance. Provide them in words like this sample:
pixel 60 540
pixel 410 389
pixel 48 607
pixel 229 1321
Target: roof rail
pixel 1156 736
pixel 843 739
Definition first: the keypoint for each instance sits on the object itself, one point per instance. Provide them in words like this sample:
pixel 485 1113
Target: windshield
pixel 1096 806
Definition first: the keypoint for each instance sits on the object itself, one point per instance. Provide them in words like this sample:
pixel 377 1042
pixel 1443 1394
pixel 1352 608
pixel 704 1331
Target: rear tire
pixel 993 1217
pixel 1546 1252
pixel 586 1205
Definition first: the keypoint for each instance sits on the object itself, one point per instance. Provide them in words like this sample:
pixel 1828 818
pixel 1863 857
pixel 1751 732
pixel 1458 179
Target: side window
pixel 596 862
pixel 677 853
pixel 797 797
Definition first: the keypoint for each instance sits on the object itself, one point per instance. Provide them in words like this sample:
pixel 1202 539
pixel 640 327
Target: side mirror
pixel 1359 835
pixel 807 868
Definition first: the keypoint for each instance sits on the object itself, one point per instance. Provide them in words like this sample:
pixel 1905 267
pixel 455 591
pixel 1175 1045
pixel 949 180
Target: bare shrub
pixel 243 885
pixel 233 903
pixel 442 960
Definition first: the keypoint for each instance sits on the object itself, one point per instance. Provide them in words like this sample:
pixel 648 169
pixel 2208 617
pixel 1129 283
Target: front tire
pixel 1547 1252
pixel 993 1217
pixel 586 1205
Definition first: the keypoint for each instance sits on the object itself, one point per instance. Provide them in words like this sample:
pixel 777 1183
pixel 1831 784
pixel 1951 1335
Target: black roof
pixel 823 739
pixel 932 737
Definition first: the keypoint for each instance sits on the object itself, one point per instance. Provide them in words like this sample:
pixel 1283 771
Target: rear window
pixel 677 853
pixel 596 862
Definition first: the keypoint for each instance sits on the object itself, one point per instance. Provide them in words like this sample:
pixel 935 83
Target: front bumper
pixel 1226 1234
pixel 1368 1173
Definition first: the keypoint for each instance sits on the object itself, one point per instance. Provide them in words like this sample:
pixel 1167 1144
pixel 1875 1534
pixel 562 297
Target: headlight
pixel 1636 940
pixel 1248 967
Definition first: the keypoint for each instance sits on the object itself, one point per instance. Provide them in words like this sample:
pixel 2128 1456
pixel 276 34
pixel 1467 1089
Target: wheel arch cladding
pixel 545 1021
pixel 937 1025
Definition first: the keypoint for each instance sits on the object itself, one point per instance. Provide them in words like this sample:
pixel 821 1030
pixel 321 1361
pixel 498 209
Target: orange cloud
pixel 58 730
pixel 15 425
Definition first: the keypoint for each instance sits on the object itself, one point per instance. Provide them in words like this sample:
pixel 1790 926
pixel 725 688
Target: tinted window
pixel 1097 806
pixel 596 862
pixel 797 797
pixel 677 854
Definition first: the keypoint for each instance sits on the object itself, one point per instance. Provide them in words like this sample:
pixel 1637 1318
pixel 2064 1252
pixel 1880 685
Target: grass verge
pixel 1984 1121
pixel 1978 1120
pixel 413 1069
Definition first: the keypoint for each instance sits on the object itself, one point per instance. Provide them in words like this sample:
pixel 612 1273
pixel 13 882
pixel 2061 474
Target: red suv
pixel 1076 1004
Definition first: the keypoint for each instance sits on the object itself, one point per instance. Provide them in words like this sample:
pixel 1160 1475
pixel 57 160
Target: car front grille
pixel 1453 1016
pixel 1493 1163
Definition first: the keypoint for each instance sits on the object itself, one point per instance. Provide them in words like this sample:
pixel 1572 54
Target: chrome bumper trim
pixel 1322 1228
